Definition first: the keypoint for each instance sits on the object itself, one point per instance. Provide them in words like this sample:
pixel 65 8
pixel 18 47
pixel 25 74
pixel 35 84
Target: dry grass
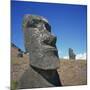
pixel 71 72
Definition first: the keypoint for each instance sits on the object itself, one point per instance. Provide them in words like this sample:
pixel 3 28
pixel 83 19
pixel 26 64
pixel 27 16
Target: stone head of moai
pixel 71 54
pixel 40 43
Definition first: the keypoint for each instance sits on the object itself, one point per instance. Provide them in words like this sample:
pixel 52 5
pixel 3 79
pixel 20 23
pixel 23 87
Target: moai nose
pixel 50 40
pixel 53 40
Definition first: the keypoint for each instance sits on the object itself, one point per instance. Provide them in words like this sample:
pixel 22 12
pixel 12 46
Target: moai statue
pixel 71 54
pixel 43 54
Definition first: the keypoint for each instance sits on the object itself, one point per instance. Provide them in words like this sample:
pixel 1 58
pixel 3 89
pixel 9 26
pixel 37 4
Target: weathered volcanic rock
pixel 40 43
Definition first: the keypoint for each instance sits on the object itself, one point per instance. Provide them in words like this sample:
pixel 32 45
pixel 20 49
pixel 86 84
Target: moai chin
pixel 44 60
pixel 40 43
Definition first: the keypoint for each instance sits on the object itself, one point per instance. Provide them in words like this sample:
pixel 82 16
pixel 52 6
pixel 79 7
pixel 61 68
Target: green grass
pixel 14 85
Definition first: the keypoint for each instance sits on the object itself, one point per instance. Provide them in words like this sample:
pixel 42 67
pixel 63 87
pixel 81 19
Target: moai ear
pixel 26 33
pixel 26 39
pixel 26 36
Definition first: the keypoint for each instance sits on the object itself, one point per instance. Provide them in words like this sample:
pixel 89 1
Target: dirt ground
pixel 71 72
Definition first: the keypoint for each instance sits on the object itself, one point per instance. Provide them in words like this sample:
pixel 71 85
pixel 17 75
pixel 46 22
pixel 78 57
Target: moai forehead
pixel 33 20
pixel 40 43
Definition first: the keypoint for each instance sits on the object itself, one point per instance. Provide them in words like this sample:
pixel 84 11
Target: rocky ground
pixel 71 72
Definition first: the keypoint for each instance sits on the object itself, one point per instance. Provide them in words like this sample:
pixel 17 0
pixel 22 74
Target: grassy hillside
pixel 71 72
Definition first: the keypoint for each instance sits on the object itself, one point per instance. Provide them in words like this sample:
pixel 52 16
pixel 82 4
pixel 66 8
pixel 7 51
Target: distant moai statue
pixel 71 54
pixel 43 54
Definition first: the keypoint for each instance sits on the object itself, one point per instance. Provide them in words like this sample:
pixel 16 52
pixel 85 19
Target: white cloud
pixel 81 56
pixel 78 56
pixel 66 57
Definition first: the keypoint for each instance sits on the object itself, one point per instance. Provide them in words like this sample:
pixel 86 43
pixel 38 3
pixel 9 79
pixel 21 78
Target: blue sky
pixel 68 23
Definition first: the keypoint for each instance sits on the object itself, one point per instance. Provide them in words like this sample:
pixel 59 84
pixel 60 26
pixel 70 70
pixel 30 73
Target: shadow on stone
pixel 38 78
pixel 50 75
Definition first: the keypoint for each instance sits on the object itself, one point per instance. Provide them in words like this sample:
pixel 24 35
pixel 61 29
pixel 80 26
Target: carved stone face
pixel 41 43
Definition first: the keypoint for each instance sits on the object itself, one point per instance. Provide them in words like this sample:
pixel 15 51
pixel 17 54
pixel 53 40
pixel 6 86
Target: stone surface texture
pixel 40 43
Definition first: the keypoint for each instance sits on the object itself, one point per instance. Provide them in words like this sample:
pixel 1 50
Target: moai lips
pixel 40 43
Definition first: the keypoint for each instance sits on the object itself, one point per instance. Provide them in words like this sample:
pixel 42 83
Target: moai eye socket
pixel 35 21
pixel 48 27
pixel 32 23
